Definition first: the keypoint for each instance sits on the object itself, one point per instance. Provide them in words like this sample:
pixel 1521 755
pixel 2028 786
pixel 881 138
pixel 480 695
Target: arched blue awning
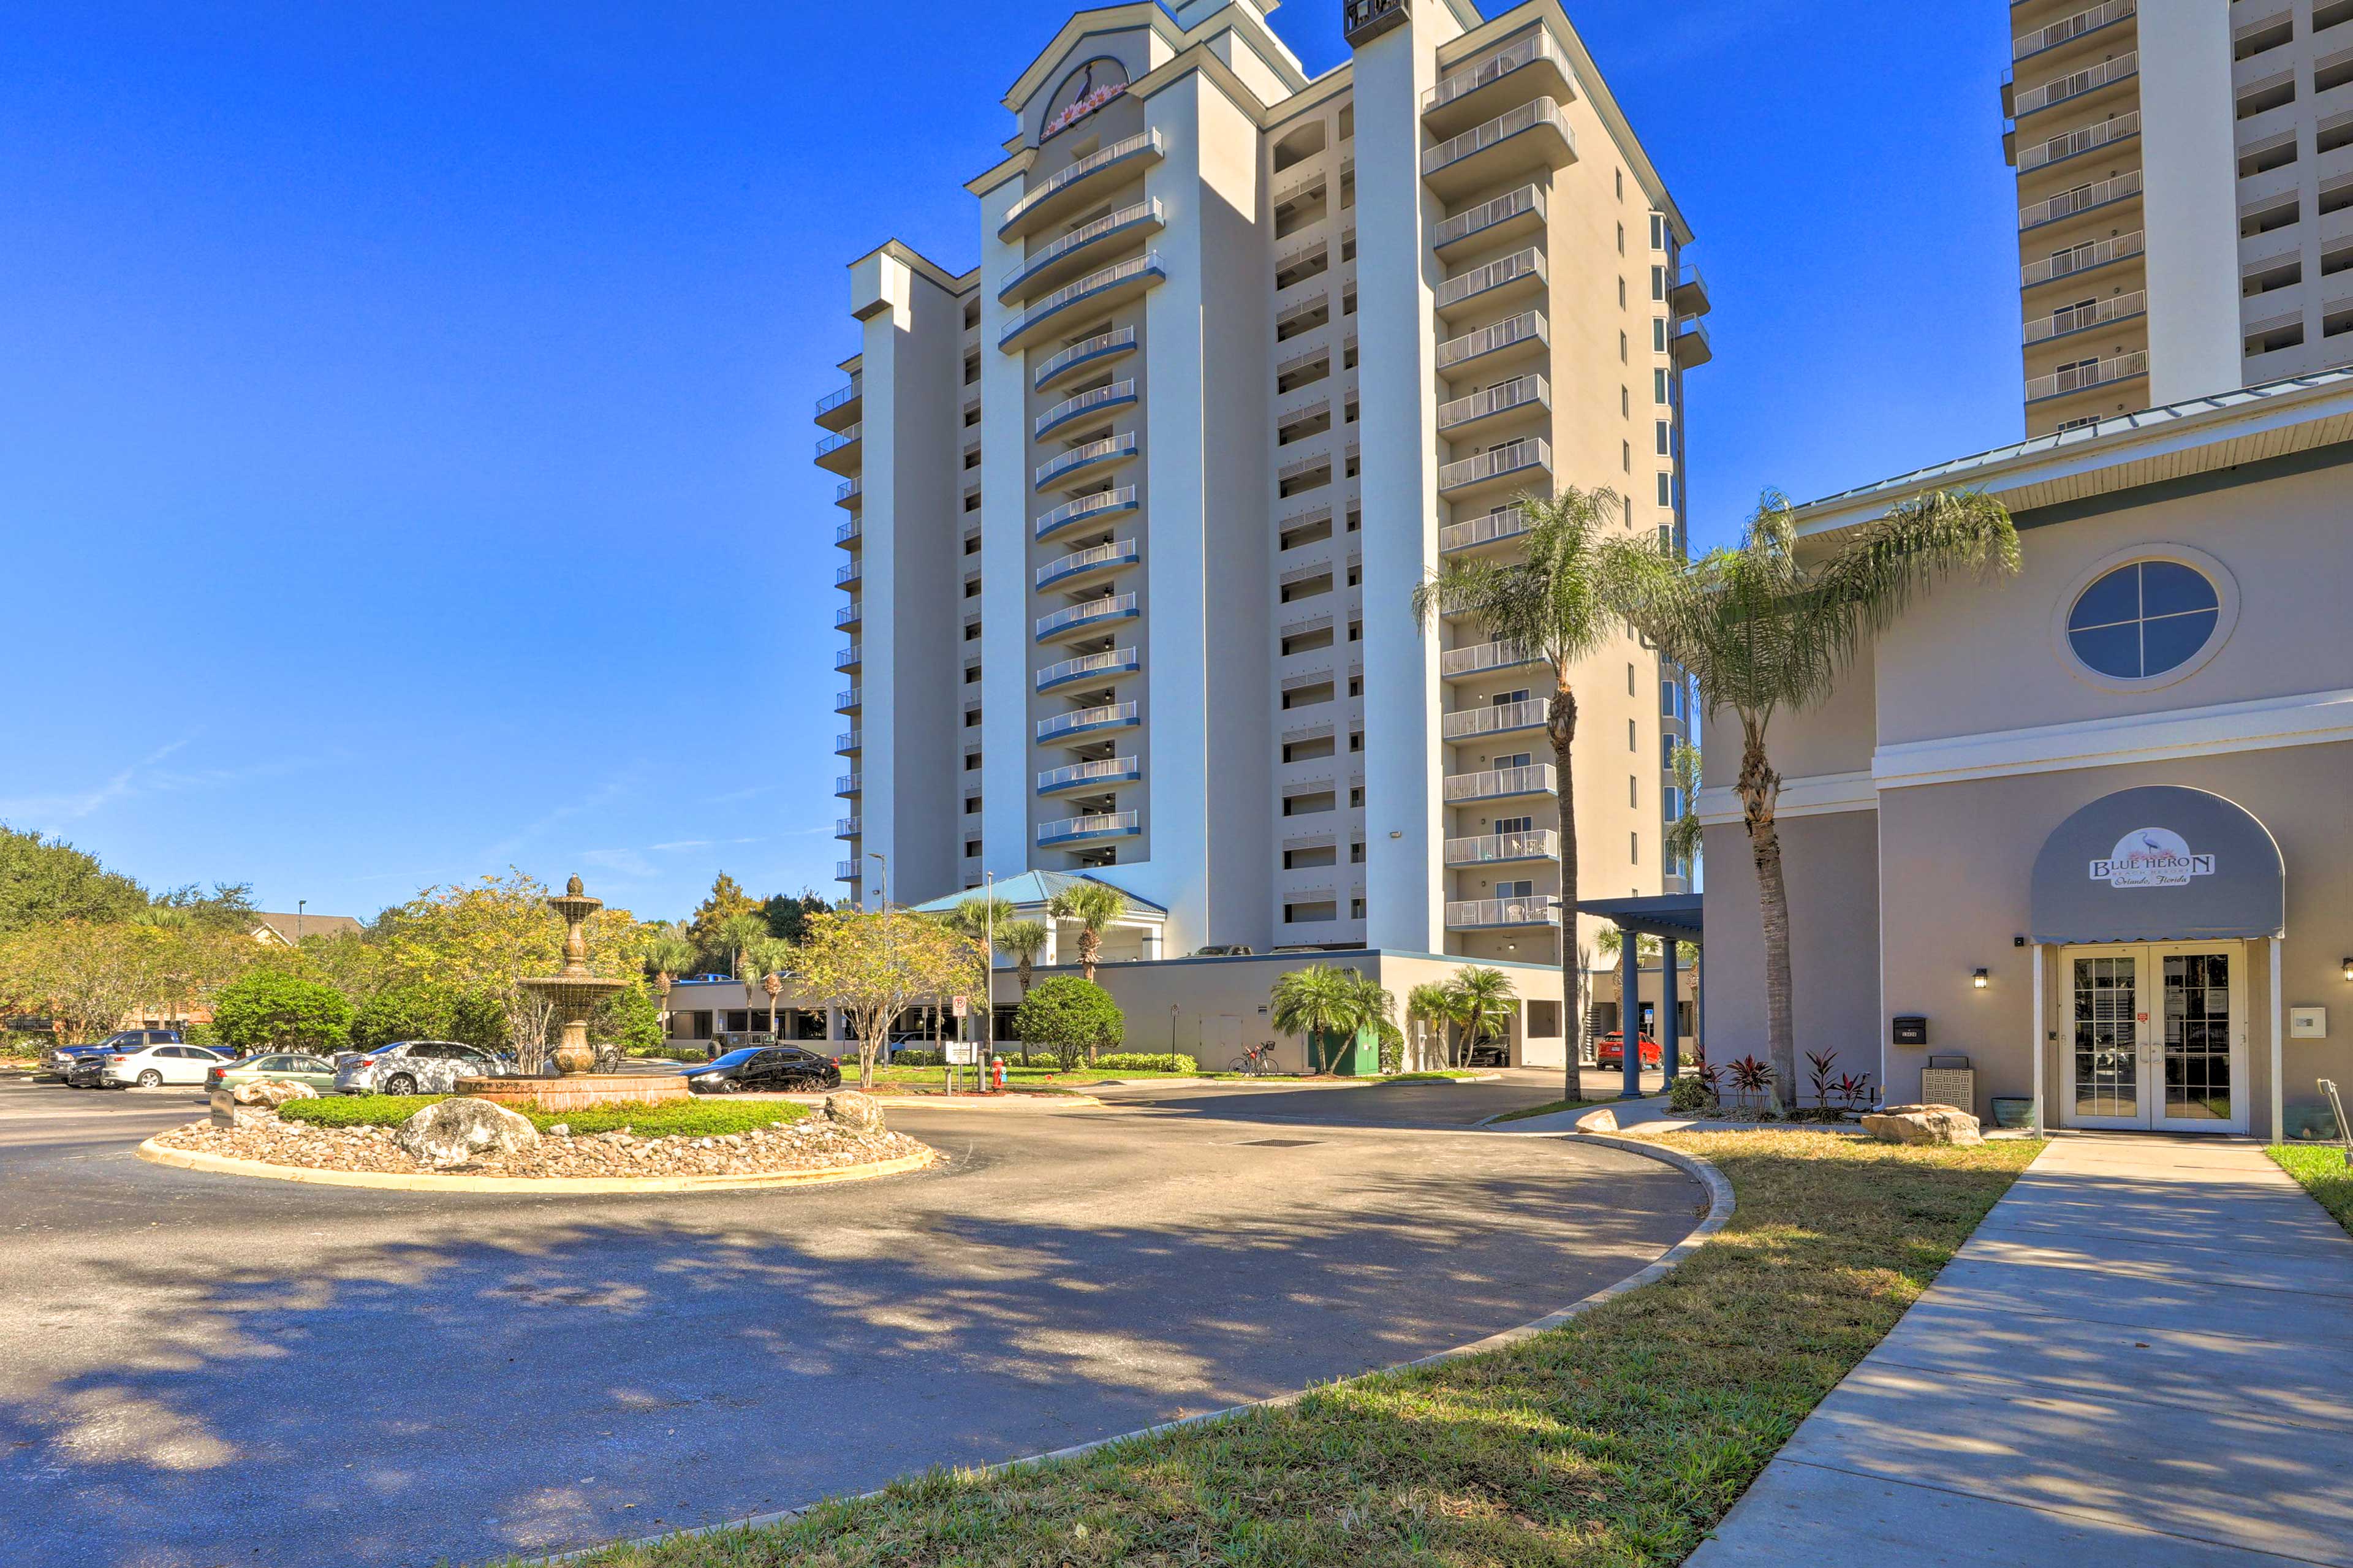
pixel 2161 863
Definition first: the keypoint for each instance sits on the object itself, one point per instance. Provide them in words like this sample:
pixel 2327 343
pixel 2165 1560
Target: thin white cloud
pixel 49 812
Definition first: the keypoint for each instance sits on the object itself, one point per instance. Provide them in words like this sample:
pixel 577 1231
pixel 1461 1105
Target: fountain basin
pixel 578 1091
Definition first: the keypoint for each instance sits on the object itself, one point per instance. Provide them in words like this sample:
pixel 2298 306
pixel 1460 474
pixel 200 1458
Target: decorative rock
pixel 1602 1121
pixel 1922 1125
pixel 272 1092
pixel 854 1110
pixel 456 1131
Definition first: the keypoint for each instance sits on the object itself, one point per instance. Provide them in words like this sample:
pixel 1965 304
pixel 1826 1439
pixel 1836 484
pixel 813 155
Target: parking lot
pixel 203 1369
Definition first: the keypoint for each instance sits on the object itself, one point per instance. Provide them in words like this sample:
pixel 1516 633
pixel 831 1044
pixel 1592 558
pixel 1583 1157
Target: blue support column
pixel 1671 1012
pixel 1630 1010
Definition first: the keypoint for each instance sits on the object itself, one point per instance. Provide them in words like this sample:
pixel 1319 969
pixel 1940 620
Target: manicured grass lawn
pixel 690 1118
pixel 1549 1107
pixel 2322 1169
pixel 1618 1439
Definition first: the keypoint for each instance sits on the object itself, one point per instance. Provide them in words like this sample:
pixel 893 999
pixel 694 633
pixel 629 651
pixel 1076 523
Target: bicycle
pixel 1254 1061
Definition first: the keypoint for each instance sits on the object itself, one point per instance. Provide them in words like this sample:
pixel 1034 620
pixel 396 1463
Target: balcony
pixel 839 409
pixel 1455 663
pixel 849 614
pixel 1088 721
pixel 2067 203
pixel 849 741
pixel 2066 89
pixel 839 451
pixel 848 783
pixel 1071 513
pixel 2067 30
pixel 2071 318
pixel 1087 563
pixel 845 870
pixel 1078 775
pixel 1071 360
pixel 1692 348
pixel 1070 254
pixel 1533 136
pixel 848 658
pixel 849 826
pixel 1512 337
pixel 1518 462
pixel 1529 64
pixel 1495 914
pixel 1522 272
pixel 1513 214
pixel 1301 466
pixel 848 533
pixel 848 493
pixel 1110 449
pixel 2079 259
pixel 1075 618
pixel 1520 395
pixel 1492 529
pixel 1083 829
pixel 1494 718
pixel 1097 290
pixel 1083 182
pixel 1690 296
pixel 2087 377
pixel 1108 665
pixel 1501 783
pixel 1502 848
pixel 2075 143
pixel 1302 315
pixel 850 699
pixel 1085 402
pixel 1362 21
pixel 847 573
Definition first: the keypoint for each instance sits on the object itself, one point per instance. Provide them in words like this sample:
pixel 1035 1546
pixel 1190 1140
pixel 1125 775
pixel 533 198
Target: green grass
pixel 1436 1075
pixel 1549 1107
pixel 1618 1439
pixel 673 1118
pixel 2321 1168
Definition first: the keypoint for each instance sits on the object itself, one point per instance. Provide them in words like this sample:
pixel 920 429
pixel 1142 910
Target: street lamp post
pixel 890 952
pixel 300 905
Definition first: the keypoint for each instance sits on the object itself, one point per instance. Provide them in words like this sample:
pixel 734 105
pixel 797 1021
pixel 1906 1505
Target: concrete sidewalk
pixel 2143 1359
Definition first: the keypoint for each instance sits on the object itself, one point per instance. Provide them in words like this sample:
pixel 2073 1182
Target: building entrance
pixel 2154 1037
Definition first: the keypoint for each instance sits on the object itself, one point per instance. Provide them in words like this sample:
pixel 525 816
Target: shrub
pixel 1066 1015
pixel 1143 1062
pixel 1687 1095
pixel 693 1118
pixel 909 1058
pixel 629 1020
pixel 270 1010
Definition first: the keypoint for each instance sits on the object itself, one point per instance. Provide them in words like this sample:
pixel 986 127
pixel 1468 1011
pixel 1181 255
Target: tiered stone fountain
pixel 573 995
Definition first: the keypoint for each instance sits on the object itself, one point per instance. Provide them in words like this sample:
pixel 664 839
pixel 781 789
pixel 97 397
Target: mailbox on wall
pixel 1911 1030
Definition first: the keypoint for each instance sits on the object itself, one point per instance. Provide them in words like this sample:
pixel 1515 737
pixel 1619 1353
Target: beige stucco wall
pixel 1830 868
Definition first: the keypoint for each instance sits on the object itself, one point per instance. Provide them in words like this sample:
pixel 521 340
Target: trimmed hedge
pixel 1145 1061
pixel 693 1118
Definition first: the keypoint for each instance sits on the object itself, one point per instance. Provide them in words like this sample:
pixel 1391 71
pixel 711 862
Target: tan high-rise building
pixel 1136 507
pixel 2185 193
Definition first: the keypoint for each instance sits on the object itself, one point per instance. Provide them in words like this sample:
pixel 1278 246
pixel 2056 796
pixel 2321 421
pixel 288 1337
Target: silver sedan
pixel 418 1066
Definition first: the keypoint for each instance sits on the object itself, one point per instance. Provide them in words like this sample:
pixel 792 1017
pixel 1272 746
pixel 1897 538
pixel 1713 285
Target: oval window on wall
pixel 2144 620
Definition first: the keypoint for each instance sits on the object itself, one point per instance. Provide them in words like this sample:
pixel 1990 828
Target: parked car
pixel 62 1058
pixel 149 1067
pixel 282 1067
pixel 1491 1054
pixel 1223 950
pixel 418 1066
pixel 768 1068
pixel 1610 1051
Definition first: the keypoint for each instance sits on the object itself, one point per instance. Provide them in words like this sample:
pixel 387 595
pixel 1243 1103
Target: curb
pixel 1719 1215
pixel 223 1166
pixel 1497 1119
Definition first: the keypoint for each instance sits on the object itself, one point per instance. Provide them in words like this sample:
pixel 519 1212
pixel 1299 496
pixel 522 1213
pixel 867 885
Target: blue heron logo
pixel 2152 857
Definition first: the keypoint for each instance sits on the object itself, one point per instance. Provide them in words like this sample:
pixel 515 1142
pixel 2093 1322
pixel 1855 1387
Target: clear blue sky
pixel 404 411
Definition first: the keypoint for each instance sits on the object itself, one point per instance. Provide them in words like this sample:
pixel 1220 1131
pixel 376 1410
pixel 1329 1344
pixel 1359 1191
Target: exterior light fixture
pixel 2349 969
pixel 1979 979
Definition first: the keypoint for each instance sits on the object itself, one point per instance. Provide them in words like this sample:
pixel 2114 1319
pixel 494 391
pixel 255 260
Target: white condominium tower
pixel 1135 508
pixel 2185 196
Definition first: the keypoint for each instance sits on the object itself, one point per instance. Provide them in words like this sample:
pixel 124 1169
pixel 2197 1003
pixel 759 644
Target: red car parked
pixel 1610 1051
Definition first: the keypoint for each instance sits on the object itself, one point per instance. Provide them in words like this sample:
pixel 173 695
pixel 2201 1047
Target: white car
pixel 418 1066
pixel 150 1066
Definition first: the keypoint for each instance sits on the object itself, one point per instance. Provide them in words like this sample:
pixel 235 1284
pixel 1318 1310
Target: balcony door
pixel 2155 1037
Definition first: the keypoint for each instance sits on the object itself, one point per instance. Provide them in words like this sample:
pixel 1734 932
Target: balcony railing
pixel 1105 717
pixel 1069 294
pixel 1535 778
pixel 2081 259
pixel 850 699
pixel 2075 85
pixel 1299 467
pixel 1542 844
pixel 1130 147
pixel 2074 143
pixel 845 870
pixel 1509 332
pixel 849 826
pixel 1517 393
pixel 1479 914
pixel 1111 661
pixel 849 741
pixel 1108 449
pixel 1362 21
pixel 2086 377
pixel 848 658
pixel 1071 513
pixel 828 445
pixel 1300 309
pixel 2068 28
pixel 1529 452
pixel 1121 553
pixel 848 491
pixel 849 615
pixel 1508 523
pixel 839 395
pixel 1101 825
pixel 1523 52
pixel 2078 318
pixel 849 533
pixel 1529 263
pixel 1494 718
pixel 1503 128
pixel 848 783
pixel 1118 392
pixel 1481 657
pixel 1111 606
pixel 1488 215
pixel 1119 339
pixel 2066 204
pixel 1114 769
pixel 849 572
pixel 1135 215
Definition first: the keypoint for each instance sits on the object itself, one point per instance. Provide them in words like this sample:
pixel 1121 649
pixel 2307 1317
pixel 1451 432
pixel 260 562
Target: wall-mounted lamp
pixel 1979 979
pixel 2349 969
pixel 1396 833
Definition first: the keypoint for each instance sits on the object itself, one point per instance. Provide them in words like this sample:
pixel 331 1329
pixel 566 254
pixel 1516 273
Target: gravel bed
pixel 814 1144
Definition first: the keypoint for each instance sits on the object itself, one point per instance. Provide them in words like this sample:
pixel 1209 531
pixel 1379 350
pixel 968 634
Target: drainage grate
pixel 1280 1143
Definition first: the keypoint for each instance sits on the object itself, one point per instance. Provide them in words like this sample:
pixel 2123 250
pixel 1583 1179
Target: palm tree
pixel 1683 835
pixel 1762 630
pixel 1481 1001
pixel 1317 1000
pixel 983 919
pixel 1095 906
pixel 1376 1010
pixel 1550 605
pixel 1025 940
pixel 1430 1005
pixel 668 956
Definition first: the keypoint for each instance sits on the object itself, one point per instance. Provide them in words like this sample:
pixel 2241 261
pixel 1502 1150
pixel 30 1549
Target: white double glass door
pixel 2155 1036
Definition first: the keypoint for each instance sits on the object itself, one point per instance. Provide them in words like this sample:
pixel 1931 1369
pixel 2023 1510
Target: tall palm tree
pixel 1316 1000
pixel 1376 1009
pixel 982 918
pixel 1772 624
pixel 1683 837
pixel 668 956
pixel 1024 939
pixel 1094 906
pixel 1481 1001
pixel 1430 1007
pixel 1549 604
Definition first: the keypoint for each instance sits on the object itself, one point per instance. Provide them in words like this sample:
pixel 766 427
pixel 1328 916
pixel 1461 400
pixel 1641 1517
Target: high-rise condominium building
pixel 2185 195
pixel 1134 509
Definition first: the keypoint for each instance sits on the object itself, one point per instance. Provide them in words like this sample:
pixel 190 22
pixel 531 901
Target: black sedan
pixel 764 1070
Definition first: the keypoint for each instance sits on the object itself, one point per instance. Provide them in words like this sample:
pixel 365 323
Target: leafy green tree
pixel 1684 837
pixel 874 965
pixel 1551 604
pixel 47 879
pixel 420 1010
pixel 726 901
pixel 629 1019
pixel 1773 624
pixel 787 914
pixel 1070 1017
pixel 274 1010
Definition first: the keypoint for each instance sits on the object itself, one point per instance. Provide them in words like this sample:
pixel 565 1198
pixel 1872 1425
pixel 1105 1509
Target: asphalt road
pixel 198 1371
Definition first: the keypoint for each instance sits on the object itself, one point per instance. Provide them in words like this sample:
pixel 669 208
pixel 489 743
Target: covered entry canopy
pixel 2160 863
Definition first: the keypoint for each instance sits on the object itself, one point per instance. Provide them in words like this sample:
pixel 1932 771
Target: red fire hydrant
pixel 996 1074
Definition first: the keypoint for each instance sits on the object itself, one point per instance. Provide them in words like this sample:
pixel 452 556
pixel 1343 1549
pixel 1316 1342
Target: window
pixel 1633 741
pixel 1671 699
pixel 2144 620
pixel 1633 791
pixel 1510 824
pixel 1625 347
pixel 1515 889
pixel 1666 490
pixel 1621 239
pixel 1357 796
pixel 1626 455
pixel 1356 853
pixel 1305 914
pixel 1621 185
pixel 1674 804
pixel 1658 335
pixel 1667 744
pixel 1659 385
pixel 1621 293
pixel 1356 909
pixel 1658 231
pixel 1666 438
pixel 1630 680
pixel 1633 849
pixel 1626 403
pixel 1658 283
